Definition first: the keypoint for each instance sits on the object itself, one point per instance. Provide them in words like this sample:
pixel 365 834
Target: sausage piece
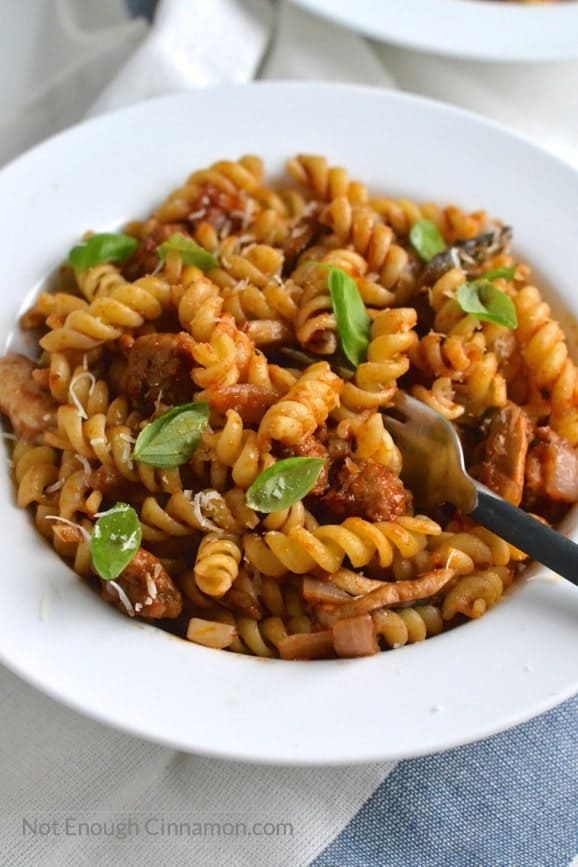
pixel 250 401
pixel 148 586
pixel 367 489
pixel 159 367
pixel 31 410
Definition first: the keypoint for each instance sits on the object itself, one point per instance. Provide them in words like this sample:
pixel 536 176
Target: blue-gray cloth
pixel 508 801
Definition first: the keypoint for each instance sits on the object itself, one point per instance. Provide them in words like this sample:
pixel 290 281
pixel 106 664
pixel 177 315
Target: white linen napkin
pixel 57 765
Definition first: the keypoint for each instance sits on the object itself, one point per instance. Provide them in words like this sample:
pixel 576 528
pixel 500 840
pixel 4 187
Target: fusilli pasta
pixel 240 319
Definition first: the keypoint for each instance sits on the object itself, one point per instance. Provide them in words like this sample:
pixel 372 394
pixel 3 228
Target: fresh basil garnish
pixel 507 273
pixel 189 251
pixel 351 317
pixel 171 439
pixel 115 539
pixel 426 239
pixel 104 247
pixel 484 301
pixel 283 484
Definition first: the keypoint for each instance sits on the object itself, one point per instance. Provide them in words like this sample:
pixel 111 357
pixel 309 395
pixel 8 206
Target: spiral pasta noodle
pixel 305 406
pixel 127 306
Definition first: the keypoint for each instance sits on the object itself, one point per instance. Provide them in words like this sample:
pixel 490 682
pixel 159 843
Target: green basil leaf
pixel 484 301
pixel 104 247
pixel 351 317
pixel 190 252
pixel 115 539
pixel 171 439
pixel 426 239
pixel 505 273
pixel 283 484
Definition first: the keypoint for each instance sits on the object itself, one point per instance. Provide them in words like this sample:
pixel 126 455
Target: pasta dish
pixel 201 434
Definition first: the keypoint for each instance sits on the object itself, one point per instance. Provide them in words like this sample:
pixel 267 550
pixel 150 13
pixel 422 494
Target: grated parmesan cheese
pixel 309 209
pixel 197 215
pixel 151 587
pixel 297 231
pixel 125 455
pixel 123 597
pixel 85 465
pixel 51 489
pixel 200 502
pixel 129 541
pixel 84 532
pixel 225 229
pixel 245 239
pixel 158 401
pixel 85 374
pixel 118 508
pixel 126 437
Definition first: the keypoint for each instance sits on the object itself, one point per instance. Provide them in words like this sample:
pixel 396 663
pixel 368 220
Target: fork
pixel 435 472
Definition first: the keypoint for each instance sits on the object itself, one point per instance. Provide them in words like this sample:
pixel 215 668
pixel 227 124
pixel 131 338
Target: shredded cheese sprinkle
pixel 126 437
pixel 85 465
pixel 129 542
pixel 200 502
pixel 51 489
pixel 151 587
pixel 85 374
pixel 123 597
pixel 309 209
pixel 84 532
pixel 125 455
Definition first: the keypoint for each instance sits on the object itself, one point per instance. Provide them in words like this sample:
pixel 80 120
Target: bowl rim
pixel 480 30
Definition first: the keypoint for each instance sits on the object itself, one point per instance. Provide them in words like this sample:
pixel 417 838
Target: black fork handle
pixel 541 542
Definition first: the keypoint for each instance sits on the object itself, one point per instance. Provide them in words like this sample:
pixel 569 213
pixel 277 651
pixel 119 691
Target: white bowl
pixel 471 29
pixel 518 660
